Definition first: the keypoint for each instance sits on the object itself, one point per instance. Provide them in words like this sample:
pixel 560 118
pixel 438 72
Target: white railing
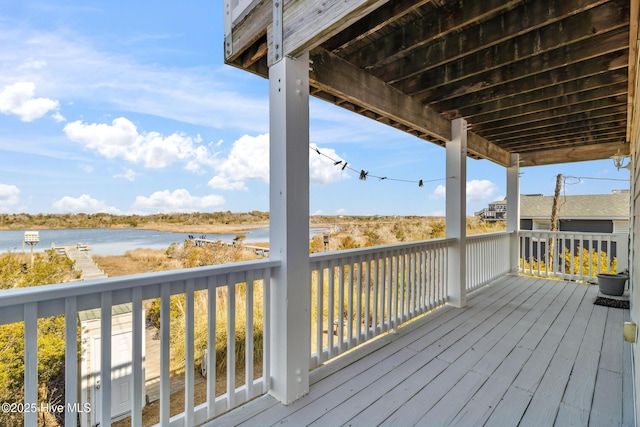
pixel 253 278
pixel 574 256
pixel 487 258
pixel 359 294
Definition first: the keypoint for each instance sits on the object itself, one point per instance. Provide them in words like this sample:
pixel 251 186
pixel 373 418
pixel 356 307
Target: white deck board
pixel 525 351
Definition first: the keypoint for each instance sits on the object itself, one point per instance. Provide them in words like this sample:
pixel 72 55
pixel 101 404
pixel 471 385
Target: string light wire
pixel 580 178
pixel 363 174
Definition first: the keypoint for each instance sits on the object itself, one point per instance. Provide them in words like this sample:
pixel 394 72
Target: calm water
pixel 103 241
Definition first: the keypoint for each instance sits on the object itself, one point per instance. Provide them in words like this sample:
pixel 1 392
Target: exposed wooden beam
pixel 561 130
pixel 381 17
pixel 440 22
pixel 306 24
pixel 587 138
pixel 615 104
pixel 476 72
pixel 334 75
pixel 573 154
pixel 518 36
pixel 249 30
pixel 476 104
pixel 526 75
pixel 552 104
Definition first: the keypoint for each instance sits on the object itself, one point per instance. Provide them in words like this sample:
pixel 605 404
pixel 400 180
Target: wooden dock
pixel 80 254
pixel 258 250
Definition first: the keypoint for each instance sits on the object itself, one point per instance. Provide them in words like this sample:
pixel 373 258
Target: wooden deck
pixel 526 351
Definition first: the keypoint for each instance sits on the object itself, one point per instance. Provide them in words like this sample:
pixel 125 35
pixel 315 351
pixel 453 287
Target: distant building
pixel 497 211
pixel 594 213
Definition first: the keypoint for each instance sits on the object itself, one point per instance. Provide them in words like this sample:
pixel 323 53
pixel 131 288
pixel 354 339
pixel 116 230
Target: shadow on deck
pixel 525 351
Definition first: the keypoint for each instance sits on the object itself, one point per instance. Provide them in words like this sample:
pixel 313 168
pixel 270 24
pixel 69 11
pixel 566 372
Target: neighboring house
pixel 594 213
pixel 497 211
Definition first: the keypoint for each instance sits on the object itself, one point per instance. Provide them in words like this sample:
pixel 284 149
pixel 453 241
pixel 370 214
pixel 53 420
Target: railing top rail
pixel 326 256
pixel 570 233
pixel 44 293
pixel 486 235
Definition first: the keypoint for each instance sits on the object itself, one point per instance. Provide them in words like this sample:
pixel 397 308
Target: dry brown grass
pixel 151 412
pixel 144 260
pixel 136 261
pixel 368 232
pixel 203 228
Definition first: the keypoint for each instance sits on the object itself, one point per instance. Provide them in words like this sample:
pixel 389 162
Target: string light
pixel 363 174
pixel 573 180
pixel 580 178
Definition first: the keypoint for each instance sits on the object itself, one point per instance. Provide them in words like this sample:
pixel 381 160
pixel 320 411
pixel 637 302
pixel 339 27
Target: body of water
pixel 105 241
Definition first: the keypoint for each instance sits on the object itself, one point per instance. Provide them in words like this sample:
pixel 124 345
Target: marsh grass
pixel 355 306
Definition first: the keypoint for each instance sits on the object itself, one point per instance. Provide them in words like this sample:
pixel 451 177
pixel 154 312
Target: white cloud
pixel 86 168
pixel 19 99
pixel 179 200
pixel 73 68
pixel 8 196
pixel 85 204
pixel 321 167
pixel 121 139
pixel 249 160
pixel 439 193
pixel 32 65
pixel 222 183
pixel 128 174
pixel 478 190
pixel 481 190
pixel 58 117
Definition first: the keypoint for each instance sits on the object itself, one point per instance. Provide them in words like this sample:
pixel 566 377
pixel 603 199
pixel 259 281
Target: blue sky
pixel 125 108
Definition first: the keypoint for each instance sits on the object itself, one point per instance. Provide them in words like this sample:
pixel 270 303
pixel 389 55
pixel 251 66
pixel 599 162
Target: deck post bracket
pixel 228 29
pixel 277 30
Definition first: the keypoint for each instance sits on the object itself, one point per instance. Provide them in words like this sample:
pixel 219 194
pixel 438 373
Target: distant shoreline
pixel 190 223
pixel 174 228
pixel 198 229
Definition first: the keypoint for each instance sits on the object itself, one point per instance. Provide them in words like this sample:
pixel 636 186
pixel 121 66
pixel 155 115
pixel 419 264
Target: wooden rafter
pixel 375 95
pixel 552 80
pixel 572 154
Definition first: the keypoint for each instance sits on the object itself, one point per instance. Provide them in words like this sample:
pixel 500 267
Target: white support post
pixel 513 212
pixel 622 251
pixel 290 340
pixel 456 206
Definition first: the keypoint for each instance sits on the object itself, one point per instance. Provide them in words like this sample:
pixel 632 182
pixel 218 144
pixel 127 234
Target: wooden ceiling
pixel 548 79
